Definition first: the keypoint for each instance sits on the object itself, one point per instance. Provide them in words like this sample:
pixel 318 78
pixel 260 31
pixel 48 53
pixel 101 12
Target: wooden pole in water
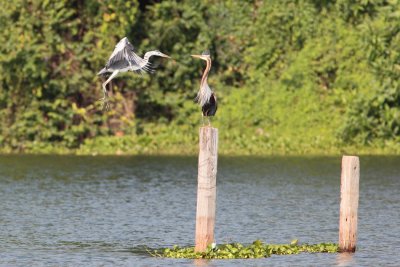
pixel 349 192
pixel 207 187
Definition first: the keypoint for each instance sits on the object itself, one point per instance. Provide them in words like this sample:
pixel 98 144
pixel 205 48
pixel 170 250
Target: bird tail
pixel 102 72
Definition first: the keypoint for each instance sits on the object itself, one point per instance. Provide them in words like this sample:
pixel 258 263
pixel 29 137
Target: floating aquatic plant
pixel 257 249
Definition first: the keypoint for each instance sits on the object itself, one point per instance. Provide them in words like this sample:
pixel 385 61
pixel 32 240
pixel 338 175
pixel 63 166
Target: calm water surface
pixel 102 211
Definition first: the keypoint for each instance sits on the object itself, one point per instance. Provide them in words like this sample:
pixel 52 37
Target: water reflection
pixel 345 259
pixel 201 262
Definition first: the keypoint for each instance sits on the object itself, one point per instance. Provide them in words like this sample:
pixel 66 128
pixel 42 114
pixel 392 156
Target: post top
pixel 208 127
pixel 349 156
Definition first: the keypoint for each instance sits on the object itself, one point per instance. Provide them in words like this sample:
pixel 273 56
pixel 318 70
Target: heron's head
pixel 204 56
pixel 158 53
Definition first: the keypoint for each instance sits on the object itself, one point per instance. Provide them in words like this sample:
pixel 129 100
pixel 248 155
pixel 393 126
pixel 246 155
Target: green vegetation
pixel 238 251
pixel 291 76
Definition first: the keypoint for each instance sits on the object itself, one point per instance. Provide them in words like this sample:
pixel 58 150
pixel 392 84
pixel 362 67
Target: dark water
pixel 102 211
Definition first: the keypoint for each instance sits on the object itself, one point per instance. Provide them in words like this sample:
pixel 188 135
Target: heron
pixel 206 97
pixel 123 59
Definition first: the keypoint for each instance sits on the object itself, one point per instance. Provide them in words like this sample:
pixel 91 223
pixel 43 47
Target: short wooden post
pixel 349 192
pixel 206 189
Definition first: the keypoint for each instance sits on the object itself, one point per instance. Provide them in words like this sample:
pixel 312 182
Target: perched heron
pixel 123 59
pixel 206 97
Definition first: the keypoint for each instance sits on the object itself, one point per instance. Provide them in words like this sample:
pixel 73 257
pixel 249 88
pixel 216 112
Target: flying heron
pixel 206 97
pixel 123 59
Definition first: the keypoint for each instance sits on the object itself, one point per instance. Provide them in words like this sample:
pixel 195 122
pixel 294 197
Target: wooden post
pixel 349 191
pixel 206 189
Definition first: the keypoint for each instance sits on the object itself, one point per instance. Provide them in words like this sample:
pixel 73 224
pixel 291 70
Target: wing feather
pixel 132 57
pixel 124 56
pixel 125 52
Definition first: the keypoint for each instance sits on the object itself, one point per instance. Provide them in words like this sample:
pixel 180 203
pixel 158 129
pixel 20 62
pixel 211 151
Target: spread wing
pixel 124 53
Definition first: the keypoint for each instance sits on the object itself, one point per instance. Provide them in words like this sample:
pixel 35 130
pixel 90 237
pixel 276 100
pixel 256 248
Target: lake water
pixel 103 211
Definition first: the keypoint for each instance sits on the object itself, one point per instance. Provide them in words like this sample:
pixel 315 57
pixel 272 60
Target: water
pixel 103 211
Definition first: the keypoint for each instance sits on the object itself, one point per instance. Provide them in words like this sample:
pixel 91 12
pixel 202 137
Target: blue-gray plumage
pixel 123 59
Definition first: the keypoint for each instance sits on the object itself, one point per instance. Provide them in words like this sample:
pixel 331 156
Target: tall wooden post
pixel 207 187
pixel 349 192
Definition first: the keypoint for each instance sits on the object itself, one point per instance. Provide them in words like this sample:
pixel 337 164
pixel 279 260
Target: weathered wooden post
pixel 349 192
pixel 207 188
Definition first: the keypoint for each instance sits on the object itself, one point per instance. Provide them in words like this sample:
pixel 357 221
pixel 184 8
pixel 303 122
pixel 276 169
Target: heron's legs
pixel 208 120
pixel 105 97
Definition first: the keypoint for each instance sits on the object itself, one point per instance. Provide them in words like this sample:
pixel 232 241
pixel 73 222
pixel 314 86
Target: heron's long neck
pixel 203 83
pixel 148 55
pixel 204 95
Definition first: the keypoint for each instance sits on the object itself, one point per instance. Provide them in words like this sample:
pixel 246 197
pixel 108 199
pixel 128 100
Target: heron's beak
pixel 164 55
pixel 197 56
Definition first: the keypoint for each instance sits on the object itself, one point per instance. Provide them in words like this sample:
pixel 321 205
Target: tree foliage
pixel 292 75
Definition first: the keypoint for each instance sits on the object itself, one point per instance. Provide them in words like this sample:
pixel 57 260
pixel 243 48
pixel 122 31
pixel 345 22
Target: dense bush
pixel 292 76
